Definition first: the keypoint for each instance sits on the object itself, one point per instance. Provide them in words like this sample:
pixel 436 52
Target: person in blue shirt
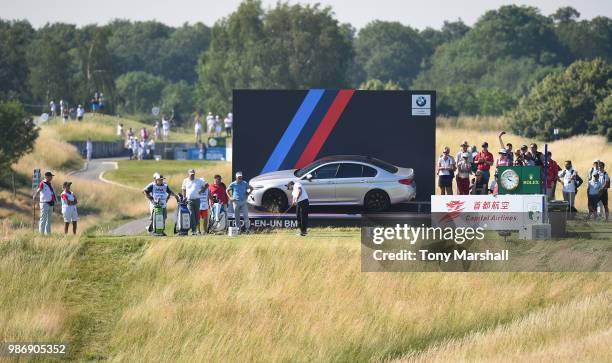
pixel 238 191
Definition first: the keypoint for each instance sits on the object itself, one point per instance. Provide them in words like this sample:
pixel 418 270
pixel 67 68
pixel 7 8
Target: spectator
pixel 507 146
pixel 65 114
pixel 228 123
pixel 203 213
pixel 518 158
pixel 157 130
pixel 120 133
pixel 135 148
pixel 503 159
pixel 165 128
pixel 473 153
pixel 478 186
pixel 464 150
pixel 218 190
pixel 218 126
pixel 80 112
pixel 197 128
pixel 484 159
pixel 88 149
pixel 62 106
pixel 538 158
pixel 192 189
pixel 69 208
pixel 593 169
pixel 605 182
pixel 594 193
pixel 210 124
pixel 551 177
pixel 524 151
pixel 528 160
pixel 446 170
pixel 47 201
pixel 94 105
pixel 301 204
pixel 238 192
pixel 571 181
pixel 144 134
pixel 53 108
pixel 101 102
pixel 141 150
pixel 464 168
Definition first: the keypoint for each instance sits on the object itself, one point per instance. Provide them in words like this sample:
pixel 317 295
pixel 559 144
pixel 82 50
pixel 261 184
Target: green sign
pixel 216 141
pixel 519 180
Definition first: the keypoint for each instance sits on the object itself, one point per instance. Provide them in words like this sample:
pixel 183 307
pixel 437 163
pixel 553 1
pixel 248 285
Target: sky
pixel 418 14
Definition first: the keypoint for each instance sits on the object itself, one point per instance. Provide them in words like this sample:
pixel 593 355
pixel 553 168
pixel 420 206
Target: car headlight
pixel 255 187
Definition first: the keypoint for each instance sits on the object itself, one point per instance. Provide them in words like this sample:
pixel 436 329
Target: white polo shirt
pixel 569 185
pixel 193 187
pixel 445 164
pixel 296 190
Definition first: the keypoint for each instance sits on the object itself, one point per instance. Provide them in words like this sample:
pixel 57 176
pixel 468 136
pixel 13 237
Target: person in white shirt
pixel 464 149
pixel 69 208
pixel 568 177
pixel 594 192
pixel 210 123
pixel 218 126
pixel 301 204
pixel 80 112
pixel 203 214
pixel 53 108
pixel 89 149
pixel 158 190
pixel 135 148
pixel 47 201
pixel 197 128
pixel 446 169
pixel 604 177
pixel 165 128
pixel 120 134
pixel 228 123
pixel 192 189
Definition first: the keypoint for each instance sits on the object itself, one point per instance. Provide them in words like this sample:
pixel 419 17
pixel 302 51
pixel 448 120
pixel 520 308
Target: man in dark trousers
pixel 300 201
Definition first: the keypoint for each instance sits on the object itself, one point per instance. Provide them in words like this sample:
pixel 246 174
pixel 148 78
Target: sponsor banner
pixel 421 105
pixel 35 179
pixel 215 153
pixel 500 212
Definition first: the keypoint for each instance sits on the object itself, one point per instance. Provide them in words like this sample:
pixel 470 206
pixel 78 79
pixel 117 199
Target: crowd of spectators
pixel 471 169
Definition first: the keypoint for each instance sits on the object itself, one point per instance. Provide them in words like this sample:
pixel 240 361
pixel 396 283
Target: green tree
pixel 181 50
pixel 290 46
pixel 390 51
pixel 15 36
pixel 378 85
pixel 602 122
pixel 139 91
pixel 98 67
pixel 19 133
pixel 566 101
pixel 586 39
pixel 49 62
pixel 178 98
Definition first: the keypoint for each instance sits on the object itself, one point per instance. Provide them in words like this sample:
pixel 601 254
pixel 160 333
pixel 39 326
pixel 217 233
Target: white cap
pixel 238 173
pixel 156 176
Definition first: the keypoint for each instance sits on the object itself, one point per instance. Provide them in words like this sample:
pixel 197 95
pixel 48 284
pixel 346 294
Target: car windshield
pixel 308 168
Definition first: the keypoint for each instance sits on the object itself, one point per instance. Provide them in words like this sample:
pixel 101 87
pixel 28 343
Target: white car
pixel 338 180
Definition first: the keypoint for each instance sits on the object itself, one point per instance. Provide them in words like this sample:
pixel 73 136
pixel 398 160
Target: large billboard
pixel 287 129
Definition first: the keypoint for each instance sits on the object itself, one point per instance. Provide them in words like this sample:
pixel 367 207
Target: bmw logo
pixel 421 101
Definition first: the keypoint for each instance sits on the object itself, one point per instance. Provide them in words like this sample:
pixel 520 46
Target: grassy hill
pixel 278 297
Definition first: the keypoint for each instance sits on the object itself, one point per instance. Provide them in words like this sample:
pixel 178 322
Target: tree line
pixel 499 66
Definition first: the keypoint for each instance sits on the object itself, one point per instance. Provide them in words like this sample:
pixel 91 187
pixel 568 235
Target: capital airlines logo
pixel 454 207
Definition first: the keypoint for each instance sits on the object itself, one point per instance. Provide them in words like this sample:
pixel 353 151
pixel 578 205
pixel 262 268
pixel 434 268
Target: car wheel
pixel 376 201
pixel 274 200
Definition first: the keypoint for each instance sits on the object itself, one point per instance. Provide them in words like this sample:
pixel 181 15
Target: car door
pixel 353 182
pixel 320 187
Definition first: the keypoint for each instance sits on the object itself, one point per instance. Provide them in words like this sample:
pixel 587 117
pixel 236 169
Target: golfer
pixel 69 208
pixel 300 202
pixel 158 190
pixel 192 189
pixel 238 191
pixel 47 201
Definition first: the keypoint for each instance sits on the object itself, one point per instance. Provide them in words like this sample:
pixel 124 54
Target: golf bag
pixel 158 218
pixel 217 223
pixel 183 218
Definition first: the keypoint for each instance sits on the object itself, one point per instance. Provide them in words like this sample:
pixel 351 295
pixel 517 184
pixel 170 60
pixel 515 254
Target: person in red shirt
pixel 552 177
pixel 218 189
pixel 484 160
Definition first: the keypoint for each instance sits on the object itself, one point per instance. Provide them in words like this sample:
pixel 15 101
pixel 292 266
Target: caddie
pixel 158 190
